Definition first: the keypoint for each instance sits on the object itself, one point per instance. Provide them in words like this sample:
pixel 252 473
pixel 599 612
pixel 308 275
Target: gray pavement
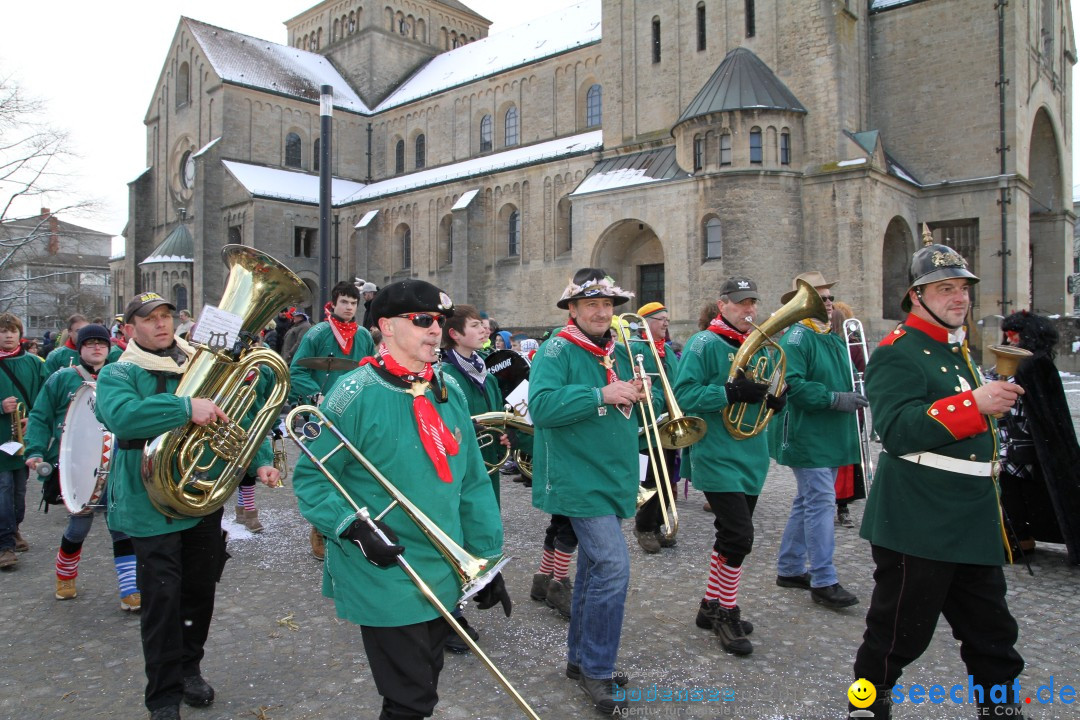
pixel 277 652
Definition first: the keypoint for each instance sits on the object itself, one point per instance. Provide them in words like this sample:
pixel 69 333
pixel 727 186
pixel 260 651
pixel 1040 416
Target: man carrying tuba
pixel 179 560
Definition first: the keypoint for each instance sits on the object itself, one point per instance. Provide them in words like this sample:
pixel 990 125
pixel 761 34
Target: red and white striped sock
pixel 246 496
pixel 67 565
pixel 712 585
pixel 547 562
pixel 729 585
pixel 562 565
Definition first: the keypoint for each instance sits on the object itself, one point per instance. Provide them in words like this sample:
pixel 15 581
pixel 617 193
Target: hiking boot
pixel 454 643
pixel 8 559
pixel 618 677
pixel 727 624
pixel 197 692
pixel 20 542
pixel 601 692
pixel 318 545
pixel 707 611
pixel 171 712
pixel 251 521
pixel 240 514
pixel 560 594
pixel 833 596
pixel 802 582
pixel 648 540
pixel 65 589
pixel 539 586
pixel 843 517
pixel 131 603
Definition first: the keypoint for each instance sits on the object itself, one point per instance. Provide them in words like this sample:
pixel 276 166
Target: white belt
pixel 951 464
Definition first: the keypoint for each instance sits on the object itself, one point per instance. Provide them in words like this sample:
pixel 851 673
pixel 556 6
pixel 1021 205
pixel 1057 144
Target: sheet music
pixel 218 328
pixel 643 467
pixel 519 400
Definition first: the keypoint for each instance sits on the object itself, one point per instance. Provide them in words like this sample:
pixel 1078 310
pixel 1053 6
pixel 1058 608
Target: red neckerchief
pixel 434 435
pixel 722 327
pixel 5 354
pixel 344 332
pixel 70 345
pixel 659 343
pixel 573 333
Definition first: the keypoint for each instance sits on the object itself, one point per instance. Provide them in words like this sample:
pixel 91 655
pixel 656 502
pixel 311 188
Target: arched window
pixel 656 40
pixel 699 152
pixel 725 149
pixel 714 239
pixel 513 234
pixel 399 156
pixel 180 297
pixel 406 248
pixel 564 234
pixel 446 240
pixel 510 127
pixel 751 25
pixel 315 150
pixel 701 34
pixel 755 146
pixel 785 148
pixel 421 151
pixel 594 106
pixel 183 85
pixel 293 151
pixel 485 133
pixel 334 32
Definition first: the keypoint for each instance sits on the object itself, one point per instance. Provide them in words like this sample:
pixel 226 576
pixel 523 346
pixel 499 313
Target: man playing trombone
pixel 414 427
pixel 730 472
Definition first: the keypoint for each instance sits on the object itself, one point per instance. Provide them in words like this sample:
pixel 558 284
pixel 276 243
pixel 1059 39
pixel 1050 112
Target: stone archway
pixel 896 249
pixel 1048 227
pixel 631 252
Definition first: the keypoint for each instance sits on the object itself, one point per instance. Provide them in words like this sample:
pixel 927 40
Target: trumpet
pixel 18 421
pixel 488 429
pixel 281 458
pixel 678 431
pixel 854 336
pixel 474 572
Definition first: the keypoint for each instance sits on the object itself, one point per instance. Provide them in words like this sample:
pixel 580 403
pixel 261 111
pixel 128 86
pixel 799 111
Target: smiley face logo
pixel 862 693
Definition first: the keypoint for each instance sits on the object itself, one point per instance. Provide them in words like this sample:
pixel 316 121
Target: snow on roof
pixel 207 146
pixel 245 60
pixel 517 157
pixel 621 171
pixel 366 220
pixel 569 28
pixel 287 184
pixel 465 199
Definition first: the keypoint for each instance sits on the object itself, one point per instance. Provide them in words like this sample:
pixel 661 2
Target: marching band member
pixel 730 472
pixel 179 560
pixel 416 429
pixel 21 378
pixel 338 335
pixel 582 393
pixel 67 354
pixel 43 431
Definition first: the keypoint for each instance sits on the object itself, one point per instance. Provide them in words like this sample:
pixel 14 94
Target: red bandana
pixel 437 439
pixel 720 326
pixel 69 344
pixel 344 332
pixel 4 354
pixel 659 343
pixel 573 333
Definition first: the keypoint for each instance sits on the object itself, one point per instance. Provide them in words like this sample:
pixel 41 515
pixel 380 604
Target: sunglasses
pixel 424 320
pixel 829 298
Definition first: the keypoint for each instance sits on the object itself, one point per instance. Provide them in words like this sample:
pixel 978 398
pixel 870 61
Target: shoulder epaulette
pixel 892 337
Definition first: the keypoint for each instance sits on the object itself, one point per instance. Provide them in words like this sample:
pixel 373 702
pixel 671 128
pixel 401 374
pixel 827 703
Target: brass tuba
pixel 177 466
pixel 490 425
pixel 805 304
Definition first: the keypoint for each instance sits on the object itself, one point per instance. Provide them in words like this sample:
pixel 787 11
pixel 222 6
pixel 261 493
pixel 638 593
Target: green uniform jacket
pixel 30 372
pixel 918 384
pixel 47 418
pixel 319 341
pixel 720 462
pixel 812 435
pixel 377 416
pixel 63 356
pixel 671 367
pixel 585 463
pixel 129 405
pixel 481 401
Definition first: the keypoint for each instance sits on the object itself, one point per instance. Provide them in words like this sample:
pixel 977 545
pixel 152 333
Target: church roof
pixel 563 30
pixel 248 61
pixel 178 246
pixel 741 82
pixel 291 185
pixel 640 168
pixel 462 7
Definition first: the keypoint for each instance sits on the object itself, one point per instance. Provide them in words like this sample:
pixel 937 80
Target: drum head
pixel 509 368
pixel 85 453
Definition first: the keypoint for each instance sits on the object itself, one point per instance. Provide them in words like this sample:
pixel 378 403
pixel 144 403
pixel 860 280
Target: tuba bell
pixel 179 467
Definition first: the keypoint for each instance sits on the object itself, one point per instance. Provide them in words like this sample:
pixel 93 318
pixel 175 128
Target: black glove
pixel 494 593
pixel 848 402
pixel 375 550
pixel 776 403
pixel 743 389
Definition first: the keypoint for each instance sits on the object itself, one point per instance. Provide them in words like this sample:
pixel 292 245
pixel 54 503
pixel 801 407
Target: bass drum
pixel 509 368
pixel 85 453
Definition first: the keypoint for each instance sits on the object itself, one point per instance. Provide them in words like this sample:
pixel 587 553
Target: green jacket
pixel 130 406
pixel 812 435
pixel 720 462
pixel 46 423
pixel 585 462
pixel 63 356
pixel 377 415
pixel 488 399
pixel 919 388
pixel 30 372
pixel 319 341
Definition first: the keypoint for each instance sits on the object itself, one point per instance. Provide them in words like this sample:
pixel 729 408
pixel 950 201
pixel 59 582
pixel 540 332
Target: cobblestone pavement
pixel 277 652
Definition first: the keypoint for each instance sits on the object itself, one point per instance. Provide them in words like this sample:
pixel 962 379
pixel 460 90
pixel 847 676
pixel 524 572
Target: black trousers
pixel 405 662
pixel 734 524
pixel 649 516
pixel 177 575
pixel 560 535
pixel 909 595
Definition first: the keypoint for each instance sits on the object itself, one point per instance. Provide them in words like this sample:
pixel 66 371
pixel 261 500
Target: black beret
pixel 406 296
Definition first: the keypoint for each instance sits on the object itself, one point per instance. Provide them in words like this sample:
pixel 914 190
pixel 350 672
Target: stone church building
pixel 673 142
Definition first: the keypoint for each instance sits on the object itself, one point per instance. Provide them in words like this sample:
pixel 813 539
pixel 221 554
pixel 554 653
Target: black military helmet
pixel 931 263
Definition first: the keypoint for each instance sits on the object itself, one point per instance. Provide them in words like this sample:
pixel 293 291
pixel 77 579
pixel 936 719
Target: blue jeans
pixel 809 538
pixel 78 528
pixel 12 505
pixel 596 614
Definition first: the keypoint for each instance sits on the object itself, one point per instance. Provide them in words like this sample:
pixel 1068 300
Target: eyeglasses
pixel 829 298
pixel 424 320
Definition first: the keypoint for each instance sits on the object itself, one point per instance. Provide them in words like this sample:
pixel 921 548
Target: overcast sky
pixel 96 65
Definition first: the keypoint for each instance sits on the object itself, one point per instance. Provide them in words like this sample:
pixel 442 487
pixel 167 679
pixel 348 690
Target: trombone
pixel 854 336
pixel 677 431
pixel 473 572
